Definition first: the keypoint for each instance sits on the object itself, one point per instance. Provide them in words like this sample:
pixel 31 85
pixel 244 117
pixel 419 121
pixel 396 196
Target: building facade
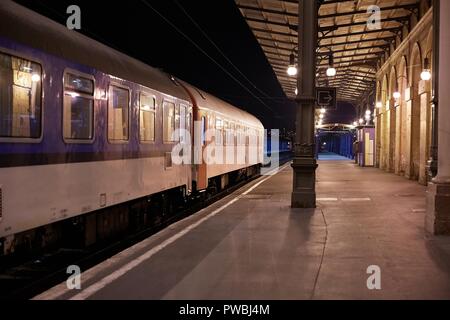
pixel 412 110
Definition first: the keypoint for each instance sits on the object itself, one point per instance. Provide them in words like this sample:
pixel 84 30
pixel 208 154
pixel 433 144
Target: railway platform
pixel 252 245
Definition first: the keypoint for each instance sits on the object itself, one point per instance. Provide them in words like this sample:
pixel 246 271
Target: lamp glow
pixel 296 91
pixel 331 72
pixel 379 105
pixel 292 69
pixel 361 121
pixel 355 124
pixel 397 95
pixel 426 73
pixel 323 110
pixel 321 116
pixel 35 77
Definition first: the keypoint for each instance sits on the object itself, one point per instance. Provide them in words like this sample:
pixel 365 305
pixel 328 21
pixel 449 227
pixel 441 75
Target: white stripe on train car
pixel 60 191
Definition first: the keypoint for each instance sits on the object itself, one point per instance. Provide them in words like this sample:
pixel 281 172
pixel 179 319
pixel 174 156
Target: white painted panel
pixel 38 195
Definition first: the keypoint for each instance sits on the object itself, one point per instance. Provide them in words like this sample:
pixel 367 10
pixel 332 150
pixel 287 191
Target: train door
pixel 218 141
pixel 240 156
pixel 185 131
pixel 231 144
pixel 202 174
pixel 247 145
pixel 226 128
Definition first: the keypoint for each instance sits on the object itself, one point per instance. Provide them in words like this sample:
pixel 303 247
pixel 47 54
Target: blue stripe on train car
pixel 52 149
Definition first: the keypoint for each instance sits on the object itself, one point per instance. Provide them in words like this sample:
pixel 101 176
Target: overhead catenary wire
pixel 208 56
pixel 259 98
pixel 264 95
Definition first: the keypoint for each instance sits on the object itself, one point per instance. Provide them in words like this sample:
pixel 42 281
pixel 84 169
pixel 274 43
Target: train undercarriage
pixel 97 228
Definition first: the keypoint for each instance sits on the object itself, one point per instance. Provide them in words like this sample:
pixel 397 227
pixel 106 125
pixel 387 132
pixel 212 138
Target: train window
pixel 203 130
pixel 177 121
pixel 183 118
pixel 254 138
pixel 244 135
pixel 189 123
pixel 168 121
pixel 225 132
pixel 118 110
pixel 20 98
pixel 78 107
pixel 147 106
pixel 219 128
pixel 241 136
pixel 230 134
pixel 226 135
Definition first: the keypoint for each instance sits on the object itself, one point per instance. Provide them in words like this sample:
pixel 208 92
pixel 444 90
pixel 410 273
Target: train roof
pixel 207 101
pixel 29 28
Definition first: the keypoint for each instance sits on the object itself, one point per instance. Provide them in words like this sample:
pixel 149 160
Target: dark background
pixel 173 35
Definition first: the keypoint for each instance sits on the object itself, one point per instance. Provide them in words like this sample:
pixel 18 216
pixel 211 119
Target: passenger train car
pixel 87 133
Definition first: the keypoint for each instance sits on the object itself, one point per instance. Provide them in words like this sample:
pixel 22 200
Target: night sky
pixel 173 36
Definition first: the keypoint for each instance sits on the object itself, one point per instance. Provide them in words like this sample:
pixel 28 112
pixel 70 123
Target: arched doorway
pixel 384 125
pixel 401 119
pixel 413 114
pixel 425 115
pixel 391 122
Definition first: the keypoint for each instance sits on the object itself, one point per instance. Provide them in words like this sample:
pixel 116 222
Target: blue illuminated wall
pixel 340 143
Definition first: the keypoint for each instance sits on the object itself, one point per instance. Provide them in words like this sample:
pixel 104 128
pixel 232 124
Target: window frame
pixel 38 61
pixel 189 122
pixel 183 120
pixel 203 124
pixel 231 134
pixel 165 100
pixel 148 94
pixel 121 86
pixel 177 114
pixel 90 77
pixel 221 130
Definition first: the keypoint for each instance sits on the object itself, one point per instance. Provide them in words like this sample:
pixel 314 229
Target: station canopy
pixel 356 47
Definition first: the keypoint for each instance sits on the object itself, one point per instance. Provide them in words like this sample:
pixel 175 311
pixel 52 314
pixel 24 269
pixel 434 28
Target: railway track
pixel 26 278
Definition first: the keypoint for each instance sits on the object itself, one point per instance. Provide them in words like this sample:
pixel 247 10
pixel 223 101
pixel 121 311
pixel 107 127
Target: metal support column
pixel 432 162
pixel 437 220
pixel 304 163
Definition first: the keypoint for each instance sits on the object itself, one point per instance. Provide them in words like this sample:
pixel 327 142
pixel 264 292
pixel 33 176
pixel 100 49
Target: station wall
pixel 403 125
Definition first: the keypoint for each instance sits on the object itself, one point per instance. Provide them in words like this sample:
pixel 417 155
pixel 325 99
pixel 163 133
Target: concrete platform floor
pixel 257 247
